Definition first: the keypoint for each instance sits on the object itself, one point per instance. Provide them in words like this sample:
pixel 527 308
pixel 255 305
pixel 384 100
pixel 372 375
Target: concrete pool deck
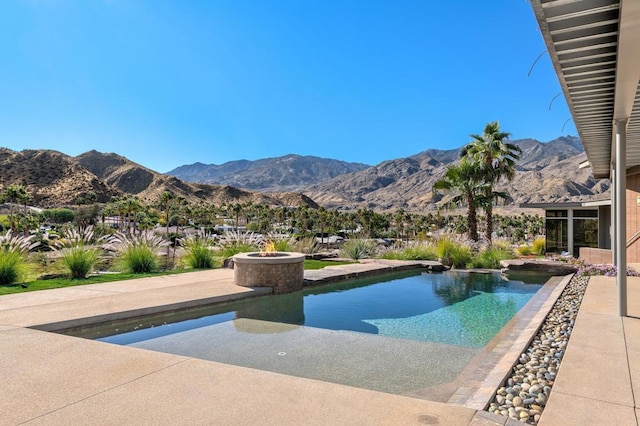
pixel 57 379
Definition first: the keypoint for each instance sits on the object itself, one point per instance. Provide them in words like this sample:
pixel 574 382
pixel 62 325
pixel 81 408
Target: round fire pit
pixel 282 271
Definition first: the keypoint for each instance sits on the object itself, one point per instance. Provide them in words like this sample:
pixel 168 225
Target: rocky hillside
pixel 287 173
pixel 547 172
pixel 132 178
pixel 55 179
pixel 52 178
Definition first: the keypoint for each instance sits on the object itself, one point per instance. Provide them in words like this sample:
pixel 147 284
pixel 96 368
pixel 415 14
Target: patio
pixel 56 379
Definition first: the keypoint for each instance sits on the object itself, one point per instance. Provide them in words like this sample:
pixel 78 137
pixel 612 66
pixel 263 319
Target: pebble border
pixel 524 393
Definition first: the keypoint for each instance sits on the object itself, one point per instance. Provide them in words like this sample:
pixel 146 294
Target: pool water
pixel 400 334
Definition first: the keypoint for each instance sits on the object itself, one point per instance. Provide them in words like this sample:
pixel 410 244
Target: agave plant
pixel 307 245
pixel 358 248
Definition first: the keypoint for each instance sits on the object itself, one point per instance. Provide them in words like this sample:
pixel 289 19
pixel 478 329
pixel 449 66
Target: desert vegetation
pixel 131 236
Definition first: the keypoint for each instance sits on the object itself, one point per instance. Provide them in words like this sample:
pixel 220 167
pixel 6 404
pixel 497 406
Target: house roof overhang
pixel 567 205
pixel 593 46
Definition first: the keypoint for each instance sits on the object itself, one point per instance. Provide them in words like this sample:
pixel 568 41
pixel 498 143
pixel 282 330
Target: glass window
pixel 556 213
pixel 585 234
pixel 585 213
pixel 557 235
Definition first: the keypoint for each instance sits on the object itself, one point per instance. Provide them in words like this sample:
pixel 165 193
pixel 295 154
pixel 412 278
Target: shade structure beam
pixel 620 212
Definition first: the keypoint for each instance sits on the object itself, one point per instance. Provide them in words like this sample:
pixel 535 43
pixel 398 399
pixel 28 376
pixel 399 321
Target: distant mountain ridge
pixel 55 179
pixel 290 172
pixel 546 172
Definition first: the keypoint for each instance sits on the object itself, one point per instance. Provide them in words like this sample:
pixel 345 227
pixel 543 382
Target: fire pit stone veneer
pixel 282 271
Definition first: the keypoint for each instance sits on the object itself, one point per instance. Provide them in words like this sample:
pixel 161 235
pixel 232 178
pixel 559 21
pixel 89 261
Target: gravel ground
pixel 524 394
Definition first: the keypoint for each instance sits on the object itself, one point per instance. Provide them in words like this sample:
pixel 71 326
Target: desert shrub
pixel 538 246
pixel 79 260
pixel 461 256
pixel 307 245
pixel 102 229
pixel 233 249
pixel 393 254
pixel 78 257
pixel 525 250
pixel 17 243
pixel 136 253
pixel 503 244
pixel 232 243
pixel 490 258
pixel 198 254
pixel 282 245
pixel 242 238
pixel 12 267
pixel 5 223
pixel 13 249
pixel 139 259
pixel 72 237
pixel 280 242
pixel 453 253
pixel 358 248
pixel 418 251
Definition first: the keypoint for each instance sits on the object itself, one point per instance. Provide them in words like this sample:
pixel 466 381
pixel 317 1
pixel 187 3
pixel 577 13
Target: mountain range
pixel 55 179
pixel 290 172
pixel 546 172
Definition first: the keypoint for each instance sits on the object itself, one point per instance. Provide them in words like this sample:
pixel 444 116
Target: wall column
pixel 612 230
pixel 621 212
pixel 570 233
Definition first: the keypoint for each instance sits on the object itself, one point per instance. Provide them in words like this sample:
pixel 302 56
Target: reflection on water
pixel 454 308
pixel 454 286
pixel 284 308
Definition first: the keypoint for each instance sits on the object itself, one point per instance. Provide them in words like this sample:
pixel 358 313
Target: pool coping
pixel 523 327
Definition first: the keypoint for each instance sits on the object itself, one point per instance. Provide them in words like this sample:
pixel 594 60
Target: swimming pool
pixel 397 334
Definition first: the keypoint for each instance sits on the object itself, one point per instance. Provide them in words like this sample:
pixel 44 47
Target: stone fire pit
pixel 282 271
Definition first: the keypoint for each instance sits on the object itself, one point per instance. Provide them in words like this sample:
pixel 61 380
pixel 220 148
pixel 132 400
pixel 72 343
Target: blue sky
pixel 167 83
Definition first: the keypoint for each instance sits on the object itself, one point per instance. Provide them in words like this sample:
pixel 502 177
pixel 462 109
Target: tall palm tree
pixel 399 221
pixel 496 159
pixel 237 209
pixel 165 202
pixel 15 194
pixel 462 180
pixel 132 206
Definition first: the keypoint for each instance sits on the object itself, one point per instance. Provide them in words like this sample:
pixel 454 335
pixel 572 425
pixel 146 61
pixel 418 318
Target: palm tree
pixel 399 220
pixel 323 216
pixel 496 159
pixel 132 206
pixel 463 181
pixel 237 209
pixel 15 194
pixel 165 201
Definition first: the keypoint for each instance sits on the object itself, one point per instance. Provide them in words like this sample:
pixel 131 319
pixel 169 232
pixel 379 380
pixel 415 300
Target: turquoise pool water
pixel 400 334
pixel 452 308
